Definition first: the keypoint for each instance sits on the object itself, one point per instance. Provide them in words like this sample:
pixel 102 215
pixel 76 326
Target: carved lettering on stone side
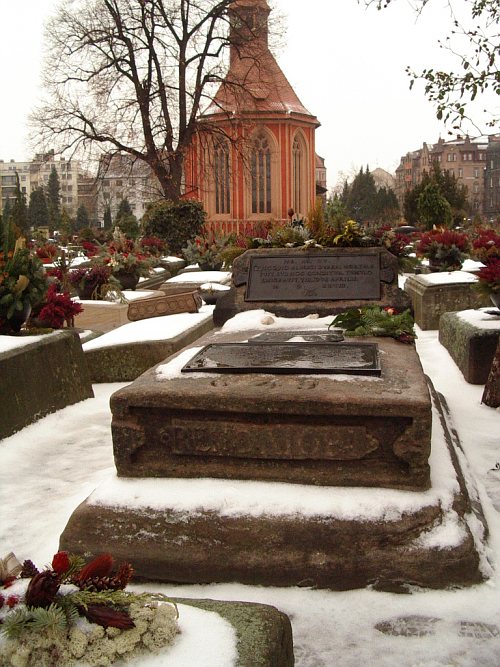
pixel 242 440
pixel 303 277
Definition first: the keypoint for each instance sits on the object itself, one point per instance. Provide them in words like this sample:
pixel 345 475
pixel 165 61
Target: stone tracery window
pixel 299 175
pixel 222 178
pixel 261 175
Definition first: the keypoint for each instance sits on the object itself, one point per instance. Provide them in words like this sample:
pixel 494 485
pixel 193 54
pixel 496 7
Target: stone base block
pixel 41 377
pixel 125 362
pixel 200 531
pixel 432 299
pixel 106 315
pixel 324 430
pixel 471 342
pixel 264 633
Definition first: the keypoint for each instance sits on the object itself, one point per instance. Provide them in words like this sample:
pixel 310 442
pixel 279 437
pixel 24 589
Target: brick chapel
pixel 254 156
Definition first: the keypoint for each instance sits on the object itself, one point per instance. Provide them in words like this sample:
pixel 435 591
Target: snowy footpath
pixel 49 467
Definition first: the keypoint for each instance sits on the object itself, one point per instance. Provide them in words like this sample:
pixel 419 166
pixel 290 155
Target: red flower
pixel 60 562
pixel 12 600
pixel 101 566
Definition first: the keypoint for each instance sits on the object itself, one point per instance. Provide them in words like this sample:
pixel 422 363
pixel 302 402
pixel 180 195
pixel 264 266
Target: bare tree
pixel 475 42
pixel 131 76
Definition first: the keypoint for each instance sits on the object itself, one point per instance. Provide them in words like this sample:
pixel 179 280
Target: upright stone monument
pixel 274 456
pixel 295 282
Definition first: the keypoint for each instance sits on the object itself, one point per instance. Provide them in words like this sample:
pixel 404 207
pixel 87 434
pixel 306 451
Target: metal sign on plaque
pixel 313 277
pixel 287 358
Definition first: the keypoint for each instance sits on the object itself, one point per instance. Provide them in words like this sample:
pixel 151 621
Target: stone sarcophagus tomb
pixel 349 429
pixel 287 457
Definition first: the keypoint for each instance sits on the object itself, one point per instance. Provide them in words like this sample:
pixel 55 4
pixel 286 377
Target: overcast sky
pixel 346 63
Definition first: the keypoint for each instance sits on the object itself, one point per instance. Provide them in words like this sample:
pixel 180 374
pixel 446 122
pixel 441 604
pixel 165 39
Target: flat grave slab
pixel 471 338
pixel 287 358
pixel 294 282
pixel 303 428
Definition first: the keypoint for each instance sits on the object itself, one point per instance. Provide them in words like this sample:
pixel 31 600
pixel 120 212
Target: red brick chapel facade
pixel 254 156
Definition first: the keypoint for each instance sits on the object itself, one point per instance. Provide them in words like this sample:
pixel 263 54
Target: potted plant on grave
pixel 93 281
pixel 486 245
pixel 127 259
pixel 23 285
pixel 47 252
pixel 73 612
pixel 445 249
pixel 206 250
pixel 57 309
pixel 489 280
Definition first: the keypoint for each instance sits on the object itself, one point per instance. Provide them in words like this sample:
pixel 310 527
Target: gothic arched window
pixel 222 178
pixel 299 175
pixel 261 175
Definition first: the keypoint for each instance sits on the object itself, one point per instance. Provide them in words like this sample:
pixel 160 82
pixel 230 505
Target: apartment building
pixel 123 177
pixel 35 174
pixel 492 180
pixel 8 171
pixel 463 157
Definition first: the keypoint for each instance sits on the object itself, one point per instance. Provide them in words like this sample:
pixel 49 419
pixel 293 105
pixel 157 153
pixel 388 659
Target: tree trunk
pixel 491 395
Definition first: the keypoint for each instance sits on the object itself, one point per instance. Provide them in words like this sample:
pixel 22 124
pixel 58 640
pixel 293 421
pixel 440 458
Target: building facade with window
pixel 492 180
pixel 254 157
pixel 463 157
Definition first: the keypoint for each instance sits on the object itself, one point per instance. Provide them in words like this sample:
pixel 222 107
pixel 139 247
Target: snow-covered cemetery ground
pixel 48 468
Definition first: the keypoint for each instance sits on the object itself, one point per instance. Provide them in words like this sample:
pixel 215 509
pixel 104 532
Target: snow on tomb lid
pixel 306 277
pixel 287 358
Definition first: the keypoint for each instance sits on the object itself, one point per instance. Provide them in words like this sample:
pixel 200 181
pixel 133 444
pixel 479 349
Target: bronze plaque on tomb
pixel 313 277
pixel 287 358
pixel 307 336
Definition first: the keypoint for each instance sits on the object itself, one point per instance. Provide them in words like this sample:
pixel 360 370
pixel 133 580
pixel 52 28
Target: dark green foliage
pixel 377 321
pixel 82 218
pixel 175 223
pixel 361 197
pixel 108 222
pixel 38 212
pixel 433 209
pixel 126 221
pixel 19 211
pixel 448 187
pixel 124 210
pixel 54 199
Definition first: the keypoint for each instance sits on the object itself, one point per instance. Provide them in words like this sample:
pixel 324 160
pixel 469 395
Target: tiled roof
pixel 255 83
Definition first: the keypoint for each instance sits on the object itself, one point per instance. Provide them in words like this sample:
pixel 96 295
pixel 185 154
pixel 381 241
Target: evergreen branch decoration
pixel 377 321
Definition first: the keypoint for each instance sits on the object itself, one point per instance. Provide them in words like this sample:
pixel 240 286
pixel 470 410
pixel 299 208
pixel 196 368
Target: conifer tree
pixel 19 212
pixel 54 199
pixel 38 212
pixel 82 218
pixel 108 221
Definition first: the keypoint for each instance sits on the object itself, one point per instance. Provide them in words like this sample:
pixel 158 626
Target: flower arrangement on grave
pixel 206 249
pixel 153 245
pixel 47 252
pixel 90 249
pixel 74 611
pixel 58 309
pixel 23 285
pixel 399 245
pixel 93 281
pixel 377 321
pixel 486 245
pixel 445 249
pixel 489 280
pixel 125 256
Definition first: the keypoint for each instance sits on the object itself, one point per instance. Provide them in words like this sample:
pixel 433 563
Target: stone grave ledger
pixel 294 282
pixel 307 429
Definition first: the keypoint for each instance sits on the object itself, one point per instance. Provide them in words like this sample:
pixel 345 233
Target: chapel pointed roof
pixel 254 82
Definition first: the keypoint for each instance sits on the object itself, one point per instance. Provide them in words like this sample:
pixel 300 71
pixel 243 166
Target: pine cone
pixel 29 570
pixel 107 616
pixel 42 589
pixel 124 574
